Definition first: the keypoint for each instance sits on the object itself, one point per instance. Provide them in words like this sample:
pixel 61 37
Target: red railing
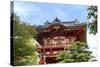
pixel 50 51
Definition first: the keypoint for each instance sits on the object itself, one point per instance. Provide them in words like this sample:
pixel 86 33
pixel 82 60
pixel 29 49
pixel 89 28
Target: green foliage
pixel 76 52
pixel 23 47
pixel 92 15
pixel 23 43
pixel 31 29
pixel 22 29
pixel 26 60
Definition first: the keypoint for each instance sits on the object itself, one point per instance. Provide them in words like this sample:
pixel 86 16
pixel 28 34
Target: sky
pixel 36 13
pixel 92 41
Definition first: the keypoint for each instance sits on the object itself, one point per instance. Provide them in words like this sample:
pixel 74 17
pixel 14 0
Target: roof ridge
pixel 56 20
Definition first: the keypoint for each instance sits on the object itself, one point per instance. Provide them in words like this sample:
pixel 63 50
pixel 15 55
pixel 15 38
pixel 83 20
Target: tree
pixel 92 15
pixel 23 43
pixel 76 52
pixel 24 52
pixel 31 29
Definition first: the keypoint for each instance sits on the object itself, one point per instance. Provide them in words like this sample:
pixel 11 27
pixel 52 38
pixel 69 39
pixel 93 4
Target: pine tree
pixel 75 52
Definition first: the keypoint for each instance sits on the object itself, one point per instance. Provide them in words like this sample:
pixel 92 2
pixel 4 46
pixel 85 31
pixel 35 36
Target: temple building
pixel 54 36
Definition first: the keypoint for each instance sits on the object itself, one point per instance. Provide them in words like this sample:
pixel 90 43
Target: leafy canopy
pixel 92 15
pixel 23 42
pixel 75 52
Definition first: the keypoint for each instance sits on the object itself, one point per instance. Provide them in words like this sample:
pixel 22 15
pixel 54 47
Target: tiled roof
pixel 57 21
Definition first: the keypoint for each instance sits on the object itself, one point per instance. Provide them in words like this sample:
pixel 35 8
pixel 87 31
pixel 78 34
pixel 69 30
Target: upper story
pixel 61 33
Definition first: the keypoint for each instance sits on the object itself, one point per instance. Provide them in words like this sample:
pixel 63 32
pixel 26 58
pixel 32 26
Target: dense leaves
pixel 92 15
pixel 76 52
pixel 23 43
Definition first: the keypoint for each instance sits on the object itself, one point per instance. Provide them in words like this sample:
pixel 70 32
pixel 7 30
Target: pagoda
pixel 54 36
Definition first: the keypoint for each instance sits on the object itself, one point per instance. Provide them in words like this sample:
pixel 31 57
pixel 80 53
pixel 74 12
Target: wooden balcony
pixel 48 48
pixel 50 51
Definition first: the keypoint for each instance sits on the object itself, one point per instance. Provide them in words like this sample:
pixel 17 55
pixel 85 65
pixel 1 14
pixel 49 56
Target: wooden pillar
pixel 42 60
